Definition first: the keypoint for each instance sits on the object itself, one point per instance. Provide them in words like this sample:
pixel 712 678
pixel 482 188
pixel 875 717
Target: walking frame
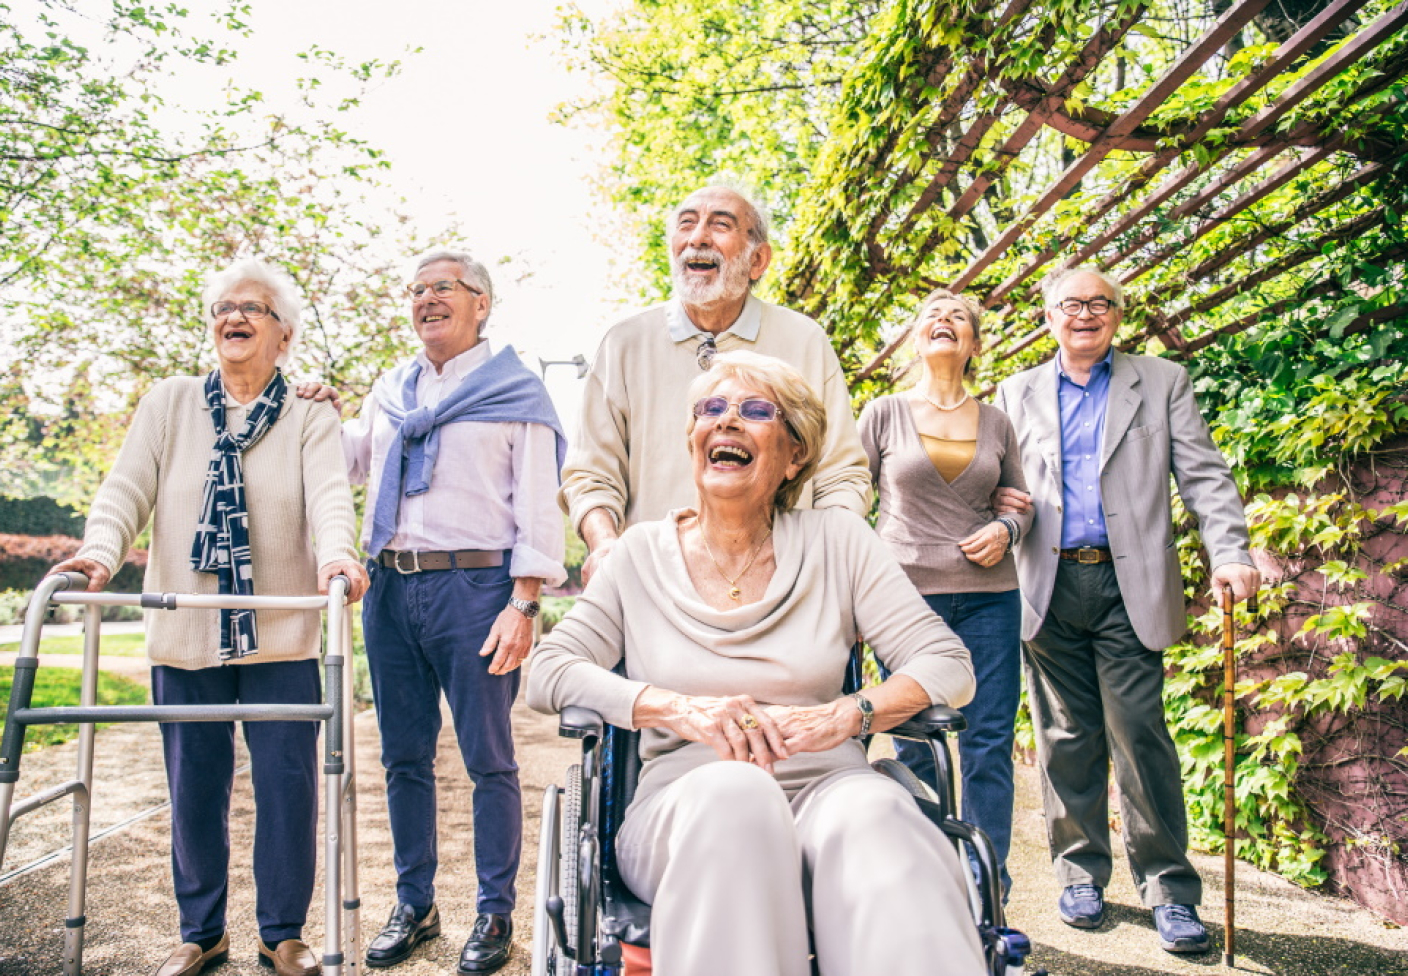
pixel 342 948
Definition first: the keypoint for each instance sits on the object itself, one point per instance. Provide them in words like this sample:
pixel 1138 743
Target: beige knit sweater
pixel 298 499
pixel 631 453
pixel 833 579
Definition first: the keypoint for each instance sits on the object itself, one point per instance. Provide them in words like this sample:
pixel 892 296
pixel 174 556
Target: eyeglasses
pixel 439 289
pixel 1073 306
pixel 756 409
pixel 706 352
pixel 250 310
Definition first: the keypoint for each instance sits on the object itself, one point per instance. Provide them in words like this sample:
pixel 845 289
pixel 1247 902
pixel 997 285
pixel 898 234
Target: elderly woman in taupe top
pixel 755 801
pixel 246 492
pixel 937 455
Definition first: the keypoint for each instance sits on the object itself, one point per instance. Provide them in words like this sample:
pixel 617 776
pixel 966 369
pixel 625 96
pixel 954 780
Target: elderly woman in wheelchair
pixel 757 818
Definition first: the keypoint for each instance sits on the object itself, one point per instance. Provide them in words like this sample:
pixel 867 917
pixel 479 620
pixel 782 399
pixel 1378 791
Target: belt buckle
pixel 415 562
pixel 1086 554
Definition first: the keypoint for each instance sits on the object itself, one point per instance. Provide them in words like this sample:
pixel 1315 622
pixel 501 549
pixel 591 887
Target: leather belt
pixel 1087 554
pixel 406 562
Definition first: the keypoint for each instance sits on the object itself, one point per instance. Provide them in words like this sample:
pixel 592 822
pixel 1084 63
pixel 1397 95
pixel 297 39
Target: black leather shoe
pixel 401 934
pixel 489 944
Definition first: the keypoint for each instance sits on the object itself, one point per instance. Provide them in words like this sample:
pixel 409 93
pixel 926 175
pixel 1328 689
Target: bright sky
pixel 466 127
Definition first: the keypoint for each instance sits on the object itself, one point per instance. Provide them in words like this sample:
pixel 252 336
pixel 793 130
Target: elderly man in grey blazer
pixel 1102 595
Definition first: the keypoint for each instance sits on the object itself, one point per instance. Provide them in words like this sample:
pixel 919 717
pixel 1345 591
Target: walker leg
pixel 7 796
pixel 351 893
pixel 82 801
pixel 333 769
pixel 351 898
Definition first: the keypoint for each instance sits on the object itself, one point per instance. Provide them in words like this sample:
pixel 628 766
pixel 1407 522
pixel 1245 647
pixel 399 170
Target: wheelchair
pixel 586 921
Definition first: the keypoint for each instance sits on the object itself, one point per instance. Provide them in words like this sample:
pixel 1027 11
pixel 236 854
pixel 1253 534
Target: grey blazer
pixel 1152 429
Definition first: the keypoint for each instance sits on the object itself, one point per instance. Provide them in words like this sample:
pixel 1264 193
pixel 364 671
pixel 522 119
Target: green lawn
pixel 60 686
pixel 118 645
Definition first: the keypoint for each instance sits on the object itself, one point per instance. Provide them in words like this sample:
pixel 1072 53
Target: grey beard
pixel 732 281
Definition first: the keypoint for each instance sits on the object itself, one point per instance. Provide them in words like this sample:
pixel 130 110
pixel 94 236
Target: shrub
pixel 39 516
pixel 24 559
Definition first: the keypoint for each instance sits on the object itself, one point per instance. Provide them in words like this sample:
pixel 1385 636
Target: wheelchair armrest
pixel 932 722
pixel 576 722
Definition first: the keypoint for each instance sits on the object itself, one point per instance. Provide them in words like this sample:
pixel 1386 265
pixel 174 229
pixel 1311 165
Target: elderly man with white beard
pixel 629 463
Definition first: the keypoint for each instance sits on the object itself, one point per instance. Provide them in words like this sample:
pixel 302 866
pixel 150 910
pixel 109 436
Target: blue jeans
pixel 200 769
pixel 423 634
pixel 989 624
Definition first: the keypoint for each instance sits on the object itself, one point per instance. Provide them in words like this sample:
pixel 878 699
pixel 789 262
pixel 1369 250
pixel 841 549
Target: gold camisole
pixel 950 458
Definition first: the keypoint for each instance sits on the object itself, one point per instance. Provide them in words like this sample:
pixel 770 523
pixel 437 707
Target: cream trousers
pixel 732 868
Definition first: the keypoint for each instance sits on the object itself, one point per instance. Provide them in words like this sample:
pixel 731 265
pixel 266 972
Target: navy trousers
pixel 423 634
pixel 989 624
pixel 200 770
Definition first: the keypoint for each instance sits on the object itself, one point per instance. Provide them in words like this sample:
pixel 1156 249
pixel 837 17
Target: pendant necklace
pixel 734 592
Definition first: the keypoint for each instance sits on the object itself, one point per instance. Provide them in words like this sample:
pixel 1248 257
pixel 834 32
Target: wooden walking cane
pixel 1229 769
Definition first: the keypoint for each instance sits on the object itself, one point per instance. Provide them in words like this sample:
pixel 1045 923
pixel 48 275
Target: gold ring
pixel 748 722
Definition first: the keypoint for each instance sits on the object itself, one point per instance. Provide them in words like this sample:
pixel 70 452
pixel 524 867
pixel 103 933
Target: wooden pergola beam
pixel 1227 27
pixel 1294 48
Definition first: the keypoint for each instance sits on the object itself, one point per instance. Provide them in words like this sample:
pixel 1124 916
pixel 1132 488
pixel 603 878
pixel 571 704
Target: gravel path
pixel 1281 929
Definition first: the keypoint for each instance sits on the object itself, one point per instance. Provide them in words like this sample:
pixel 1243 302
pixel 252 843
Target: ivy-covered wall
pixel 1316 429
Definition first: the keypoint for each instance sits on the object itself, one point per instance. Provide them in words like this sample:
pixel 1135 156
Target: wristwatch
pixel 867 712
pixel 529 608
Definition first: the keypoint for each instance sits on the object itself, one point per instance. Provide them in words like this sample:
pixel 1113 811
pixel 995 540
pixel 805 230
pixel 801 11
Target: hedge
pixel 39 516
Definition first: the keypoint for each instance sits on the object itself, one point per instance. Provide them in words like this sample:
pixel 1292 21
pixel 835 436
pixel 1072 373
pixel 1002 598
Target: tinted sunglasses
pixel 757 410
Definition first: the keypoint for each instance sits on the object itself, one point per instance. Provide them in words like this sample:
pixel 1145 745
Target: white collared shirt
pixel 746 326
pixel 494 484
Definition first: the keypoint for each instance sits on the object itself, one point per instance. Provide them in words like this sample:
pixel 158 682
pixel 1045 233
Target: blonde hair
pixel 802 411
pixel 972 307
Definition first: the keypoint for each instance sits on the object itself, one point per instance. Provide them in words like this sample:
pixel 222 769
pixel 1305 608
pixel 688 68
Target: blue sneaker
pixel 1082 906
pixel 1179 928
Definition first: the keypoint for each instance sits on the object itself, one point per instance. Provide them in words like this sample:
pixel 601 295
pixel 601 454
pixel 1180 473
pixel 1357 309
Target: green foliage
pixel 897 157
pixel 117 206
pixel 554 608
pixel 693 90
pixel 54 687
pixel 39 516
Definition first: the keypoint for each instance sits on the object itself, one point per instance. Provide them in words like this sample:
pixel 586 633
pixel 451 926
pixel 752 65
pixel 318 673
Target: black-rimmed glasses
pixel 440 289
pixel 1073 306
pixel 250 310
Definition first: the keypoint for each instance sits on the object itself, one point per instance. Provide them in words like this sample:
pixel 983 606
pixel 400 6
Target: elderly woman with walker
pixel 246 492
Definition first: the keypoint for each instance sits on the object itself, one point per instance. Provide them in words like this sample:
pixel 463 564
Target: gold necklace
pixel 734 592
pixel 939 406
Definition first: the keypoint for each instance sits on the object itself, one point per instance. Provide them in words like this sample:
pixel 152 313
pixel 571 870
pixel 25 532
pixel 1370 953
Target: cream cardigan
pixel 833 579
pixel 295 487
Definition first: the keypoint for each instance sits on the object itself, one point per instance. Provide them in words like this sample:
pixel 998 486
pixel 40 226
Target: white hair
pixel 470 269
pixel 1052 284
pixel 755 212
pixel 283 296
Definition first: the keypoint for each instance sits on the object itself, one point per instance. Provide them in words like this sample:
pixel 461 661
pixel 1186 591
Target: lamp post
pixel 578 360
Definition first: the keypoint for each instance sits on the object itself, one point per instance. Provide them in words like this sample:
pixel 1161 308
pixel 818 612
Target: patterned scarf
pixel 222 537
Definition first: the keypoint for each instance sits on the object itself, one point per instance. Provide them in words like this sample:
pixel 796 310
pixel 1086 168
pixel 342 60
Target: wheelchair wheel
pixel 569 856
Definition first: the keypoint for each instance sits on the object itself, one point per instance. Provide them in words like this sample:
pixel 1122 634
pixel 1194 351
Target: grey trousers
pixel 1096 696
pixel 731 868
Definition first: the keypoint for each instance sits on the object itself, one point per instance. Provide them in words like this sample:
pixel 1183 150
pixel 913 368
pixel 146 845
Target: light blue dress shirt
pixel 1082 433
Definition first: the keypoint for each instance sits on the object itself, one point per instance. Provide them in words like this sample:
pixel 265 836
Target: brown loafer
pixel 189 959
pixel 289 958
